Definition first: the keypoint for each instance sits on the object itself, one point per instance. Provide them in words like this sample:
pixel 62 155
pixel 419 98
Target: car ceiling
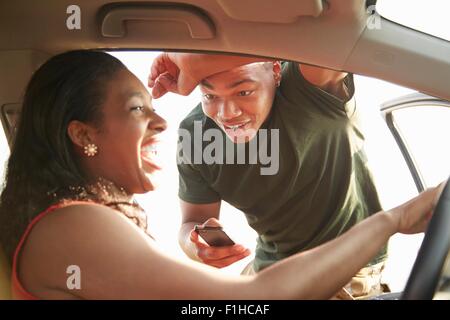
pixel 331 33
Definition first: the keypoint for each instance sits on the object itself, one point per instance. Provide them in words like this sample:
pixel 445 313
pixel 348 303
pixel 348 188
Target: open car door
pixel 420 125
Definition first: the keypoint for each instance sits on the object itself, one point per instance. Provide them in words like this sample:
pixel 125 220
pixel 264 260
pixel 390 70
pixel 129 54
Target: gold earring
pixel 90 150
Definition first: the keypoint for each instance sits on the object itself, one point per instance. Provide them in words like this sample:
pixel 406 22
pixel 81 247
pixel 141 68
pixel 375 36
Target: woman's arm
pixel 118 261
pixel 319 273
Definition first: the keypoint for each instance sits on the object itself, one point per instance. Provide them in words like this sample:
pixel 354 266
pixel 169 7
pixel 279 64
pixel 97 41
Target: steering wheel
pixel 427 269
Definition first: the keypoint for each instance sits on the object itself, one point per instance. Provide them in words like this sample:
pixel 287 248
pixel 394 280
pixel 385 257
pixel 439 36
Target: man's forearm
pixel 205 65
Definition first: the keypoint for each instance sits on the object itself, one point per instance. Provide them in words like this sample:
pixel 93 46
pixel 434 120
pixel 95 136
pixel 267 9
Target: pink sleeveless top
pixel 18 292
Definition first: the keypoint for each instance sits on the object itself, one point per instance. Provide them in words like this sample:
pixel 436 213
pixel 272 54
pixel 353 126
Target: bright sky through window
pixel 430 16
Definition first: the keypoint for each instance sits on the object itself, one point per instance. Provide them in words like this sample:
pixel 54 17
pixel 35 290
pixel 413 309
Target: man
pixel 322 185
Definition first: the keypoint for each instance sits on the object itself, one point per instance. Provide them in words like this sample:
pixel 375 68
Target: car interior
pixel 328 33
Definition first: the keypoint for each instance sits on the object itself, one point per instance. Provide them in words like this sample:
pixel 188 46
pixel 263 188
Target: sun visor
pixel 271 11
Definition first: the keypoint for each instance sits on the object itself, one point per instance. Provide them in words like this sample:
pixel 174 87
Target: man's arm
pixel 328 80
pixel 181 72
pixel 206 214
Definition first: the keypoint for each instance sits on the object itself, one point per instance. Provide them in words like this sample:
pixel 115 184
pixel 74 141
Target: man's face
pixel 239 100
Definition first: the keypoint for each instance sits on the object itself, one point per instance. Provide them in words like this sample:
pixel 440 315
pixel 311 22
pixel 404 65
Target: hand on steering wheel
pixel 433 252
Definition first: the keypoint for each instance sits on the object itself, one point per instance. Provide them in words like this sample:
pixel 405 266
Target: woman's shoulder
pixel 67 212
pixel 73 218
pixel 73 234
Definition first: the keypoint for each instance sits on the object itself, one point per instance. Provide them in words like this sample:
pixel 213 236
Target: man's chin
pixel 243 137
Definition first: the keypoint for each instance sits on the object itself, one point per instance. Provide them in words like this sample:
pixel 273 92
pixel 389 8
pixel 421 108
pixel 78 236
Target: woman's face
pixel 127 136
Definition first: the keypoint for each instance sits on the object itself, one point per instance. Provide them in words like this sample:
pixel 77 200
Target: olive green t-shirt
pixel 323 185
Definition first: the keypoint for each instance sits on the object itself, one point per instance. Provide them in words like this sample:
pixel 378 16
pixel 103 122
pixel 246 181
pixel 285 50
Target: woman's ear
pixel 80 133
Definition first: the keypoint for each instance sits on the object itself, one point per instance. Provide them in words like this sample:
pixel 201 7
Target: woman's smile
pixel 149 154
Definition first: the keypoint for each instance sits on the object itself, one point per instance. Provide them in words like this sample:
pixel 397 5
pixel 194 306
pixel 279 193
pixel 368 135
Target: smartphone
pixel 214 236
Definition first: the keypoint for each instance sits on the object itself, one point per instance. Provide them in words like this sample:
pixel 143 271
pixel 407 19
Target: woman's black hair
pixel 43 168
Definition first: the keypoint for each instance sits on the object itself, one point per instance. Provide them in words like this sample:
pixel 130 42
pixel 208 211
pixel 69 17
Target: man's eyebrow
pixel 231 86
pixel 139 94
pixel 237 83
pixel 206 84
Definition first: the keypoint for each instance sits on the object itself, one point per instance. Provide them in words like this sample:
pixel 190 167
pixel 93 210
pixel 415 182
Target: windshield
pixel 426 16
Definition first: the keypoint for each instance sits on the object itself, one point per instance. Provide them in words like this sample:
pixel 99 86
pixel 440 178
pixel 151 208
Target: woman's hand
pixel 414 215
pixel 172 72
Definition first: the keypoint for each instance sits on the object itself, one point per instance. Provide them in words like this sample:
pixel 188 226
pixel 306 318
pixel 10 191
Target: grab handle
pixel 198 24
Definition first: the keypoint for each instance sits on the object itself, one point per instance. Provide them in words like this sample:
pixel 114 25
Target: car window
pixel 4 153
pixel 384 156
pixel 427 16
pixel 420 129
pixel 425 131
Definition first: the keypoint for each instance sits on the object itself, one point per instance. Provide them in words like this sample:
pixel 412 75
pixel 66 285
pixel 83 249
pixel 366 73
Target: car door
pixel 420 125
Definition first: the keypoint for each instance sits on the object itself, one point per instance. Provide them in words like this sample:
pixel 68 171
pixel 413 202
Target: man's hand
pixel 171 72
pixel 218 257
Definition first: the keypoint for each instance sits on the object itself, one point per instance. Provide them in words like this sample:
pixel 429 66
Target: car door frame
pixel 408 101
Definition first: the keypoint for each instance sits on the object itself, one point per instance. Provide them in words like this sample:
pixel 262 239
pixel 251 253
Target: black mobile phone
pixel 214 236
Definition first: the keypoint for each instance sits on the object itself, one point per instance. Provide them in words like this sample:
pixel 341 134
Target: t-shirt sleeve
pixel 296 88
pixel 193 187
pixel 294 73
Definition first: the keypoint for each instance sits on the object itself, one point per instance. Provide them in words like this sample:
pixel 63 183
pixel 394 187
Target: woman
pixel 84 146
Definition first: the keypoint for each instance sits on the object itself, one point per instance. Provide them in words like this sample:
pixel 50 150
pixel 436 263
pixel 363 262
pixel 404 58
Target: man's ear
pixel 277 72
pixel 80 133
pixel 277 67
